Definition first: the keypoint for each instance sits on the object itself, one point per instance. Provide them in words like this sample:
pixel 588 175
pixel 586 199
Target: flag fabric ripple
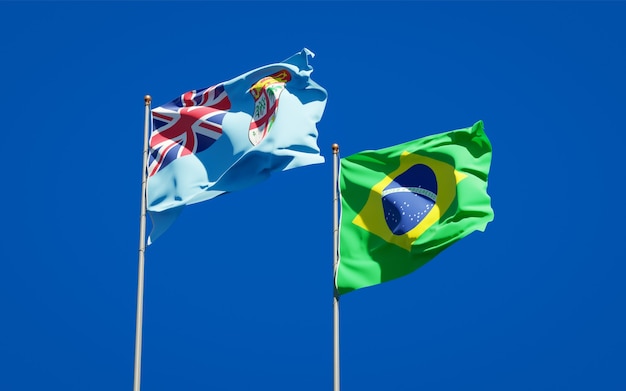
pixel 232 135
pixel 403 205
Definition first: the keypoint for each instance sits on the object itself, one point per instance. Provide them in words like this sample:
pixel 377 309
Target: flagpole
pixel 142 247
pixel 336 379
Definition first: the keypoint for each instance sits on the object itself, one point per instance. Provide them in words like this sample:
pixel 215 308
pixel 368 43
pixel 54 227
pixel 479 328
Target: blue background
pixel 238 292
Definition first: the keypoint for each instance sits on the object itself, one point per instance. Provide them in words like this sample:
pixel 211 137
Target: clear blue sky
pixel 238 292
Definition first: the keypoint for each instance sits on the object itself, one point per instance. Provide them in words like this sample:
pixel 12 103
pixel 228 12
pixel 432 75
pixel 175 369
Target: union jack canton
pixel 187 125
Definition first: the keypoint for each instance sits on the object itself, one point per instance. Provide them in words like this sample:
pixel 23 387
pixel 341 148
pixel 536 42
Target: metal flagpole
pixel 142 247
pixel 335 262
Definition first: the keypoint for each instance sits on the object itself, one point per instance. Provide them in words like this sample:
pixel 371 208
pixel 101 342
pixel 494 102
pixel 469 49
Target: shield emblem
pixel 266 93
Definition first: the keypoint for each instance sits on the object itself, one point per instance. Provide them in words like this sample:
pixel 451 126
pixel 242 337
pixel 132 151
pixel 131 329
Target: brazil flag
pixel 403 205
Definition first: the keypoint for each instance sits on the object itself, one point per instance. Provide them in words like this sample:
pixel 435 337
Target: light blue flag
pixel 232 135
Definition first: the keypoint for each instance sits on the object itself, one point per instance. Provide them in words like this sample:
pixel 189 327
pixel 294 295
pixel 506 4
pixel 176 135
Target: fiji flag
pixel 403 205
pixel 232 135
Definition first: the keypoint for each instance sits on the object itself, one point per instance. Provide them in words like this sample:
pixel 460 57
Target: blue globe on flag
pixel 409 198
